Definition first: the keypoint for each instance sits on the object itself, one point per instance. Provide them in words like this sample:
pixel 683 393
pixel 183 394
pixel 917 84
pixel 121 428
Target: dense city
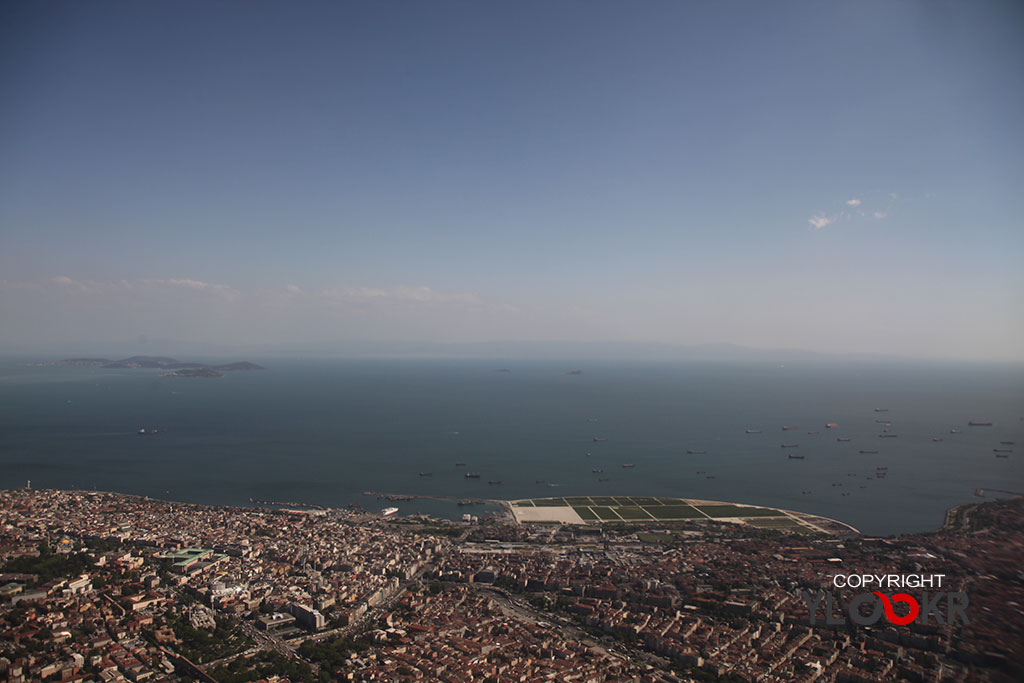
pixel 107 587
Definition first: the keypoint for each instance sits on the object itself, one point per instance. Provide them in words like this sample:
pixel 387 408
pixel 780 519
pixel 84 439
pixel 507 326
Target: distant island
pixel 177 368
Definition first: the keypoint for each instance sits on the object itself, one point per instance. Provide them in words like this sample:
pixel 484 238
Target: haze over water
pixel 323 431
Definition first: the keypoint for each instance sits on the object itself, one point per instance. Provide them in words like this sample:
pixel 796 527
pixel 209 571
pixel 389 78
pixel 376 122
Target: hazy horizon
pixel 838 178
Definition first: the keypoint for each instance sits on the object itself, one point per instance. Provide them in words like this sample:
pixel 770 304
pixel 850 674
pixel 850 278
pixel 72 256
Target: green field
pixel 675 512
pixel 736 511
pixel 650 509
pixel 632 513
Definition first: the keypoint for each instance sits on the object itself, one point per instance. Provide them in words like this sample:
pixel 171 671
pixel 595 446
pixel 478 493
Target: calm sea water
pixel 324 431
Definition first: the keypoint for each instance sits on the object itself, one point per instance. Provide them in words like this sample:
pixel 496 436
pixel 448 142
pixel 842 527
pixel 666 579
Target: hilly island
pixel 175 367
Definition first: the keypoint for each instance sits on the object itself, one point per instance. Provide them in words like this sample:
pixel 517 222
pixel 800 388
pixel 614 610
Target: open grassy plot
pixel 644 500
pixel 585 514
pixel 674 512
pixel 523 504
pixel 549 502
pixel 606 514
pixel 603 500
pixel 632 513
pixel 623 500
pixel 736 511
pixel 578 500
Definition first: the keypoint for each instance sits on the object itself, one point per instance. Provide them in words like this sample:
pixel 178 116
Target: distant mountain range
pixel 178 368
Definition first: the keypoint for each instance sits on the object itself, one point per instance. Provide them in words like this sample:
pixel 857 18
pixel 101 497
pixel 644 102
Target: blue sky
pixel 832 176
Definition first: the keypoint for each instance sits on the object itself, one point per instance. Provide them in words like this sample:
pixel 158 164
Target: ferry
pixel 387 512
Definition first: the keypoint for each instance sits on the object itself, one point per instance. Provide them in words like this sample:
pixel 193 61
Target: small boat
pixel 696 452
pixel 868 452
pixel 627 465
pixel 387 512
pixel 786 428
pixel 881 468
pixel 831 425
pixel 588 454
pixel 591 419
pixel 979 423
pixel 597 471
pixel 954 431
pixel 472 475
pixel 936 438
pixel 887 436
pixel 844 438
pixel 789 445
pixel 494 482
pixel 753 431
pixel 795 457
pixel 884 422
pixel 463 503
pixel 812 433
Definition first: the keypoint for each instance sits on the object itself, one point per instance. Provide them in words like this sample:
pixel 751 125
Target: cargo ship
pixel 868 452
pixel 494 482
pixel 786 428
pixel 627 465
pixel 753 431
pixel 789 445
pixel 696 452
pixel 844 438
pixel 795 457
pixel 387 512
pixel 600 438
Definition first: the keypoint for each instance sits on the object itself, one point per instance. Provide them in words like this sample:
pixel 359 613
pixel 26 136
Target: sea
pixel 323 432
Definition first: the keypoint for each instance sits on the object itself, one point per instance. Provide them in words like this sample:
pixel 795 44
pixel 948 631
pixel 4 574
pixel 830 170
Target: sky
pixel 841 177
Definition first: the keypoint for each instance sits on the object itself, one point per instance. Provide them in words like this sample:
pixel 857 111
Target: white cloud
pixel 820 221
pixel 853 202
pixel 879 215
